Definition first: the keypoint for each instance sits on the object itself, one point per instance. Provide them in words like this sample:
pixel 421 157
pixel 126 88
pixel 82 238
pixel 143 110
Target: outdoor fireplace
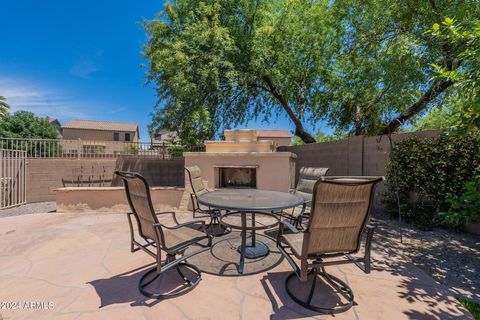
pixel 245 159
pixel 237 177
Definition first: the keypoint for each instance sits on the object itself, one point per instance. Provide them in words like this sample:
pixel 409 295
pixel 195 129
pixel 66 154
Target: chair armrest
pixel 180 225
pixel 168 212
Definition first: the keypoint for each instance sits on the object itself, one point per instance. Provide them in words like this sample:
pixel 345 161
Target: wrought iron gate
pixel 12 178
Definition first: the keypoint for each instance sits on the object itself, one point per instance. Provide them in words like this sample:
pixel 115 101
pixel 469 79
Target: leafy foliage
pixel 360 65
pixel 427 171
pixel 221 63
pixel 4 106
pixel 24 124
pixel 465 208
pixel 472 307
pixel 462 110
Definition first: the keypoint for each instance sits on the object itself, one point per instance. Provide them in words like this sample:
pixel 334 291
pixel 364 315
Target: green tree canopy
pixel 364 66
pixel 218 63
pixel 24 124
pixel 385 72
pixel 460 110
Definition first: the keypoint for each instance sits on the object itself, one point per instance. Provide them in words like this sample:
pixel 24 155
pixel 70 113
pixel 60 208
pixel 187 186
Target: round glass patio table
pixel 254 202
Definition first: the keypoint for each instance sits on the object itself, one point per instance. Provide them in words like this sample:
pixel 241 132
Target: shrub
pixel 177 151
pixel 465 208
pixel 428 170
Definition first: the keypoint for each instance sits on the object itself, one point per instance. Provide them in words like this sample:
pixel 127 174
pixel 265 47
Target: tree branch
pixel 418 106
pixel 299 130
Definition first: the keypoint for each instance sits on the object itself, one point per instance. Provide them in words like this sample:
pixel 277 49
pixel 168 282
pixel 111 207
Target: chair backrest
pixel 307 178
pixel 195 176
pixel 138 195
pixel 340 210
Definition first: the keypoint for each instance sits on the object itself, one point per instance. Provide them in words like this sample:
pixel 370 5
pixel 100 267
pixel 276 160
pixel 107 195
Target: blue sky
pixel 81 59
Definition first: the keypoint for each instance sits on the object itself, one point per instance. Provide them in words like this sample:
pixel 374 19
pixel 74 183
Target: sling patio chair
pixel 173 240
pixel 307 178
pixel 340 212
pixel 198 188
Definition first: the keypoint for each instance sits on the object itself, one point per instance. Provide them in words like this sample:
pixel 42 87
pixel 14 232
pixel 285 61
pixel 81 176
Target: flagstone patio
pixel 79 266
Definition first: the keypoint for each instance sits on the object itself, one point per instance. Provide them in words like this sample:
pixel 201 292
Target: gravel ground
pixel 30 208
pixel 452 258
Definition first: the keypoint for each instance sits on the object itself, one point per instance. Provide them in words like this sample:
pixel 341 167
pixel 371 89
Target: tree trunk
pixel 417 107
pixel 299 130
pixel 358 121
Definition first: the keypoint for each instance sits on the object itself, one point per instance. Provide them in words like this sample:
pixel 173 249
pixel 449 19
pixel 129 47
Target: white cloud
pixel 41 101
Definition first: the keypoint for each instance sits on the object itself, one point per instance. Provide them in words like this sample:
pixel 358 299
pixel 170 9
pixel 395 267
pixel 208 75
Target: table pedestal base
pixel 255 250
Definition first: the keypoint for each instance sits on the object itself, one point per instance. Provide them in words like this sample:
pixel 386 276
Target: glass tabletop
pixel 249 200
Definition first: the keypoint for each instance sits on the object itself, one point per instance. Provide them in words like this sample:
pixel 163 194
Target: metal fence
pixel 12 178
pixel 60 148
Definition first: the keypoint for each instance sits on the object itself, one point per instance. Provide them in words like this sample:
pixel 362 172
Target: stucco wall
pixel 113 199
pixel 363 156
pixel 275 169
pixel 45 175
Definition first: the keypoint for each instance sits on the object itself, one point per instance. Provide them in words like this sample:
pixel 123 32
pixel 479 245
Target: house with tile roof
pixel 100 130
pixel 99 137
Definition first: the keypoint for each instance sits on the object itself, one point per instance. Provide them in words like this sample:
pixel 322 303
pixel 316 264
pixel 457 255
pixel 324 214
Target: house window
pixel 127 137
pixel 116 136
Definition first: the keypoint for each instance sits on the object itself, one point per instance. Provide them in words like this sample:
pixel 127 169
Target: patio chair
pixel 173 240
pixel 198 188
pixel 340 212
pixel 307 178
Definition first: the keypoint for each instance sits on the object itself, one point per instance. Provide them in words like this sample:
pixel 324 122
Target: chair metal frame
pixel 214 214
pixel 298 221
pixel 158 244
pixel 314 265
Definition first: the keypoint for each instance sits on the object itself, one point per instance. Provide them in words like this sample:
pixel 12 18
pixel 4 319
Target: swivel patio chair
pixel 307 178
pixel 198 188
pixel 158 237
pixel 340 212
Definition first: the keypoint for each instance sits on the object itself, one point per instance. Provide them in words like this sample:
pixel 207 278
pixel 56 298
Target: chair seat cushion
pixel 182 235
pixel 295 242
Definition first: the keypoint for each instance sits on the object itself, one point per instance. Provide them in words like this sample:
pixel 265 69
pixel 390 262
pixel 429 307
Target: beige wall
pixel 275 169
pixel 113 199
pixel 102 135
pixel 278 141
pixel 240 135
pixel 359 155
pixel 238 146
pixel 45 175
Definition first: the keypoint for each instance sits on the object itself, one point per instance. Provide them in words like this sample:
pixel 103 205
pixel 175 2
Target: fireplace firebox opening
pixel 237 177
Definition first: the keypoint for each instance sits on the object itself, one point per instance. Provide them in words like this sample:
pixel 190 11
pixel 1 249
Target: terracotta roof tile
pixel 101 125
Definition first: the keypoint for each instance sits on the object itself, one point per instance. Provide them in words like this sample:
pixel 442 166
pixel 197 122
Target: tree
pixel 4 106
pixel 365 66
pixel 217 63
pixel 383 74
pixel 24 124
pixel 461 109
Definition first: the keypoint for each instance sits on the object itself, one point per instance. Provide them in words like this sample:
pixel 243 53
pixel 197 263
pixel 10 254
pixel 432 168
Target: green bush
pixel 428 171
pixel 465 208
pixel 177 151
